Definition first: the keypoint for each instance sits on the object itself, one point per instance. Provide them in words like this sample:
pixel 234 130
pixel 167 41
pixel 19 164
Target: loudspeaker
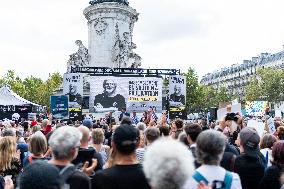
pixel 213 113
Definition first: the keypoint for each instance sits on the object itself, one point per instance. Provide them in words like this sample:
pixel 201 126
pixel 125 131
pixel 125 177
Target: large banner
pixel 135 93
pixel 73 87
pixel 177 97
pixel 255 108
pixel 59 107
pixel 15 112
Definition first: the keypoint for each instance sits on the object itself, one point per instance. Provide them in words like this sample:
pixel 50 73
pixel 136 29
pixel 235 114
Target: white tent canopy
pixel 8 98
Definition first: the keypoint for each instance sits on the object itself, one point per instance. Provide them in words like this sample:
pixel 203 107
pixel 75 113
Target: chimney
pixel 255 59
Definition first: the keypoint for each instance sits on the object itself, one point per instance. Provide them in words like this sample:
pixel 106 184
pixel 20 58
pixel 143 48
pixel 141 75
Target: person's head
pixel 98 136
pixel 277 124
pixel 38 143
pixel 177 90
pixel 210 146
pixel 110 114
pixel 72 89
pixel 280 132
pixel 278 153
pixel 109 86
pixel 179 123
pixel 36 128
pixel 126 120
pixel 173 126
pixel 152 134
pixel 78 42
pixel 145 114
pixel 183 138
pixel 125 139
pixel 267 141
pixel 141 126
pixel 134 113
pixel 192 132
pixel 44 123
pixel 249 141
pixel 88 123
pixel 7 151
pixel 165 169
pixel 64 143
pixel 123 109
pixel 164 131
pixel 8 132
pixel 85 135
pixel 40 174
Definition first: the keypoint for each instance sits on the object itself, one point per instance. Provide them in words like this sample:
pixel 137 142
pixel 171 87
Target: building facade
pixel 237 76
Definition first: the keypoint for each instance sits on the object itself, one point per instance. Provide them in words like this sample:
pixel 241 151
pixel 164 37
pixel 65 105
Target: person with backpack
pixel 65 143
pixel 210 146
pixel 37 148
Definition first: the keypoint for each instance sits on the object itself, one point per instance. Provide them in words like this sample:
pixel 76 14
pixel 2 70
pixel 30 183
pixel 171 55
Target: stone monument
pixel 110 28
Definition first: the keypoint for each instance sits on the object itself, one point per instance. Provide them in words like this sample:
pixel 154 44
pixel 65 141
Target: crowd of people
pixel 141 153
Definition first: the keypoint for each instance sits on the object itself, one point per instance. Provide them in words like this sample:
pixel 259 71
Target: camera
pixel 231 116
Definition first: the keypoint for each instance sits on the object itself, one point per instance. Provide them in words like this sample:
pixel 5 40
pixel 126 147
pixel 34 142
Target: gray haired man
pixel 64 143
pixel 210 146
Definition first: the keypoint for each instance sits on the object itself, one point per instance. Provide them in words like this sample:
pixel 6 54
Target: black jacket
pixel 271 178
pixel 250 170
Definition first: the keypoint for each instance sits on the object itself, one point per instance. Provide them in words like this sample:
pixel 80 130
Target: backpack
pixel 2 182
pixel 65 174
pixel 227 180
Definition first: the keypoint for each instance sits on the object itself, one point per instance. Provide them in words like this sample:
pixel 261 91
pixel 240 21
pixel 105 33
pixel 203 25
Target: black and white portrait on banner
pixel 177 91
pixel 177 96
pixel 73 87
pixel 107 94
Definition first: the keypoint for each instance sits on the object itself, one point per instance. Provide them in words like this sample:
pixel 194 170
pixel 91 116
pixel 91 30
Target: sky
pixel 37 37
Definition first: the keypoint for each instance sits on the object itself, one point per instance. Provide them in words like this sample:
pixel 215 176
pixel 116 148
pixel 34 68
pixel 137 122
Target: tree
pixel 268 84
pixel 193 98
pixel 200 97
pixel 31 88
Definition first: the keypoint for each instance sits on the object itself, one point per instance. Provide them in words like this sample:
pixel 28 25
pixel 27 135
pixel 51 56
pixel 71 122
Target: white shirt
pixel 264 152
pixel 211 173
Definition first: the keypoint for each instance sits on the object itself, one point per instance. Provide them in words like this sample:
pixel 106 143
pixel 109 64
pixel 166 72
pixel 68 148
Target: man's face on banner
pixel 72 89
pixel 110 86
pixel 177 90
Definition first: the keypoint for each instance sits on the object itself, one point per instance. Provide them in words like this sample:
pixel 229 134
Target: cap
pixel 125 135
pixel 250 140
pixel 33 123
pixel 39 174
pixel 88 123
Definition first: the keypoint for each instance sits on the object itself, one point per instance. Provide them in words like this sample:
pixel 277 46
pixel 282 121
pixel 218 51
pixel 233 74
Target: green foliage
pixel 203 97
pixel 31 88
pixel 268 84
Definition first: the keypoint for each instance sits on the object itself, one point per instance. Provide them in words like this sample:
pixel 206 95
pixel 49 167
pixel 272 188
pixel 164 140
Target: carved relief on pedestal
pixel 100 26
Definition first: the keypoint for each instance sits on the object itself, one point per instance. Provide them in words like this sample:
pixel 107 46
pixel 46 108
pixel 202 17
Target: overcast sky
pixel 36 37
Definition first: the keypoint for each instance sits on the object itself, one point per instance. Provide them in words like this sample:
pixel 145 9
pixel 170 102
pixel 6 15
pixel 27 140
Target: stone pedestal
pixel 110 34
